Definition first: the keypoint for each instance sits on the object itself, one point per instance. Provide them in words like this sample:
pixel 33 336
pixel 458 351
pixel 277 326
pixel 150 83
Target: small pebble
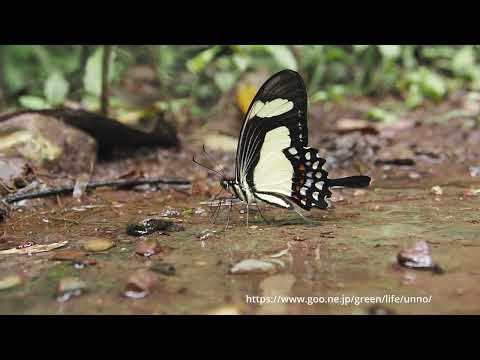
pixel 416 257
pixel 148 247
pixel 164 269
pixel 97 245
pixel 436 190
pixel 254 266
pixel 10 281
pixel 70 287
pixel 140 284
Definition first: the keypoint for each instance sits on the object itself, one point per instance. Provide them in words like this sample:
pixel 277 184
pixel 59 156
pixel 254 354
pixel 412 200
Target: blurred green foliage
pixel 43 76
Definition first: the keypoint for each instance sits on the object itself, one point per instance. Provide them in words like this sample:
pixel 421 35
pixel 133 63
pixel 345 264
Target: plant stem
pixel 107 51
pixel 120 183
pixel 3 101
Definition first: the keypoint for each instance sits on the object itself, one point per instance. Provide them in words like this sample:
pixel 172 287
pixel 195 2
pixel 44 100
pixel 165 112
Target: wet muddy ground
pixel 350 250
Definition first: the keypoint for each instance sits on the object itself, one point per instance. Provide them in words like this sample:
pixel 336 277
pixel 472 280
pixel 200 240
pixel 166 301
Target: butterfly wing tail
pixel 351 182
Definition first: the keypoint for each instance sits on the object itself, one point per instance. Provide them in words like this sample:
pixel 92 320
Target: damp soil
pixel 349 250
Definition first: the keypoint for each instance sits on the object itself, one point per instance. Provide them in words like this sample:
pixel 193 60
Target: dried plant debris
pixel 34 248
pixel 418 257
pixel 395 162
pixel 150 226
pixel 79 259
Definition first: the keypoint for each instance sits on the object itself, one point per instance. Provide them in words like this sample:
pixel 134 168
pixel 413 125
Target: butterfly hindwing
pixel 310 186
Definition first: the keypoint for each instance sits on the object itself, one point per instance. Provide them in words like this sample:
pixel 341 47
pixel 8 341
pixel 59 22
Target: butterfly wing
pixel 273 160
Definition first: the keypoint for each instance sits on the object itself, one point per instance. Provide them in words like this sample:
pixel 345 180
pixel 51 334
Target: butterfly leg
pixel 260 212
pixel 248 213
pixel 228 215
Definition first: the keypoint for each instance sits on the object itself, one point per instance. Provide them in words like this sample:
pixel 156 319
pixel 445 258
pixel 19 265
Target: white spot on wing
pixel 255 109
pixel 307 156
pixel 309 182
pixel 315 165
pixel 315 195
pixel 292 151
pixel 303 191
pixel 273 108
pixel 319 185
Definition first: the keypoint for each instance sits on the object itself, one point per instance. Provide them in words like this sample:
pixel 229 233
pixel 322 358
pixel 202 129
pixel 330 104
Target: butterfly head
pixel 227 184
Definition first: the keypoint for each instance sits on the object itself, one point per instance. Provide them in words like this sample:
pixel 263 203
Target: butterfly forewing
pixel 281 101
pixel 274 163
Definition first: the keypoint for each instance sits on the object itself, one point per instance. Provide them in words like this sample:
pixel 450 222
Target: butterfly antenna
pixel 206 167
pixel 210 158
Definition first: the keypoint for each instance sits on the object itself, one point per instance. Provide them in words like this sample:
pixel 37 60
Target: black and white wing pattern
pixel 274 163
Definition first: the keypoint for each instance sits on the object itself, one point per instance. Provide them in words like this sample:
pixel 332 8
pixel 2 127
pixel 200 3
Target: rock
pixel 149 226
pixel 148 248
pixel 15 173
pixel 10 281
pixel 379 310
pixel 416 257
pixel 474 171
pixel 70 287
pixel 249 266
pixel 140 284
pixel 97 245
pixel 164 269
pixel 436 190
pixel 47 142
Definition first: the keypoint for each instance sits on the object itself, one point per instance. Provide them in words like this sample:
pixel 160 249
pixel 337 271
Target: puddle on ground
pixel 350 250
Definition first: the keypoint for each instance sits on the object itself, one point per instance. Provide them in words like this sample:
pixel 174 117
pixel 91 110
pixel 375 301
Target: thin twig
pixel 107 51
pixel 121 183
pixel 3 100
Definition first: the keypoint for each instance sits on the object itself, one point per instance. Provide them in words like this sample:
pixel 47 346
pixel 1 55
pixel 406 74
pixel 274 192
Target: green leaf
pixel 319 96
pixel 463 63
pixel 56 89
pixel 379 114
pixel 360 48
pixel 33 102
pixel 414 96
pixel 283 56
pixel 92 81
pixel 390 51
pixel 200 62
pixel 224 80
pixel 433 84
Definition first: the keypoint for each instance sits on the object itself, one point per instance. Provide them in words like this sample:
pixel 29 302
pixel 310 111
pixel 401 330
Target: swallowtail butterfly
pixel 274 163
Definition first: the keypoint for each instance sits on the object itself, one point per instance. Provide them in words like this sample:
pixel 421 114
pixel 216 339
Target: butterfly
pixel 274 163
